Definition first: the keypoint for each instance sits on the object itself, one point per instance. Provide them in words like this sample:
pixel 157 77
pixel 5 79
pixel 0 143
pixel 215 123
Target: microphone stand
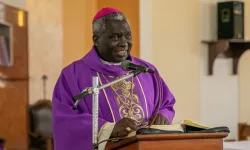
pixel 94 90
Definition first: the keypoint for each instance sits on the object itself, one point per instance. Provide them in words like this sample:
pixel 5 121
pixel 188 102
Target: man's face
pixel 114 44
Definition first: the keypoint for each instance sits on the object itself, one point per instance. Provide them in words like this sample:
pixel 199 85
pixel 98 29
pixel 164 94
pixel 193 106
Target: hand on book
pixel 159 120
pixel 124 127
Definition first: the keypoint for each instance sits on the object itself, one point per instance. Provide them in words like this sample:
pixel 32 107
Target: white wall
pixel 176 52
pixel 16 3
pixel 146 30
pixel 244 87
pixel 178 27
pixel 45 45
pixel 244 73
pixel 221 93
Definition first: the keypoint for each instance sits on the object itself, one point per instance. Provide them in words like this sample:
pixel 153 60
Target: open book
pixel 170 128
pixel 186 126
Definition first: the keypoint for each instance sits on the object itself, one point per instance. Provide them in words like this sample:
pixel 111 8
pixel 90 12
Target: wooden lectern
pixel 184 141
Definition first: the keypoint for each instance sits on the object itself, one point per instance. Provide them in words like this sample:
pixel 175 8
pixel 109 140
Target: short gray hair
pixel 99 25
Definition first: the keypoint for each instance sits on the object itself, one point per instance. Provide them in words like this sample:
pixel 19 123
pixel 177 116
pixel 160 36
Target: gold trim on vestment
pixel 160 98
pixel 106 98
pixel 143 95
pixel 127 101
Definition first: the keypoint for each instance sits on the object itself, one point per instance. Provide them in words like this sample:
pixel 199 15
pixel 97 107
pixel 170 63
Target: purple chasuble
pixel 137 97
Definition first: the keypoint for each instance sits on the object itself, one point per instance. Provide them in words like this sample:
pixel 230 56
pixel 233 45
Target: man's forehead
pixel 117 25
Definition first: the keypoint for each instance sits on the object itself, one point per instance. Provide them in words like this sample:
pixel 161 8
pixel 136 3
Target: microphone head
pixel 125 64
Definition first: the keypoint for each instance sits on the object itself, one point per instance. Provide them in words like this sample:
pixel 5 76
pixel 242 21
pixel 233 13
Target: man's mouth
pixel 121 53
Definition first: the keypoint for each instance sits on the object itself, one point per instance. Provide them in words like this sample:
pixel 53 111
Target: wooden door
pixel 13 113
pixel 14 77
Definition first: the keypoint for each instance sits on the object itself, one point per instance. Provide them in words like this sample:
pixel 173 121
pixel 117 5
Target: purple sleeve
pixel 72 129
pixel 167 103
pixel 166 98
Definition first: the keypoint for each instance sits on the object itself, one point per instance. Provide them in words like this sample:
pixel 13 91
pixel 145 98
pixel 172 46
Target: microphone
pixel 128 65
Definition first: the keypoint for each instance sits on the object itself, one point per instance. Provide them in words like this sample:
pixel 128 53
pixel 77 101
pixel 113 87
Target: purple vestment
pixel 72 129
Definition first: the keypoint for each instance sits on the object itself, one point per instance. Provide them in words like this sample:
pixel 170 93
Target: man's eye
pixel 128 36
pixel 114 37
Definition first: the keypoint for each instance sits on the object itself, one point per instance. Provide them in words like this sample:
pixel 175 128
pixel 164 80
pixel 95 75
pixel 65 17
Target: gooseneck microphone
pixel 128 65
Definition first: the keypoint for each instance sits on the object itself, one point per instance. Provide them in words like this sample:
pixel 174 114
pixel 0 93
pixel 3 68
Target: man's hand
pixel 159 120
pixel 124 127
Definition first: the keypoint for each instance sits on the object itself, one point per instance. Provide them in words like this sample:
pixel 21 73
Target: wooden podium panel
pixel 185 141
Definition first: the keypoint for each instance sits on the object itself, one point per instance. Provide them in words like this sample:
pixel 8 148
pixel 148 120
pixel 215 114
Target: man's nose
pixel 123 42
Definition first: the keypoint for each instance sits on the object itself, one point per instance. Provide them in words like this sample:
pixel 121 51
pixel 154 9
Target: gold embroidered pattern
pixel 104 91
pixel 128 102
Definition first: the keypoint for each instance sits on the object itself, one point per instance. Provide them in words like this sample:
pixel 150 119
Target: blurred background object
pixel 40 121
pixel 2 141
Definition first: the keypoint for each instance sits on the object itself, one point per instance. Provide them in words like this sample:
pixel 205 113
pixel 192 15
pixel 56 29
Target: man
pixel 123 107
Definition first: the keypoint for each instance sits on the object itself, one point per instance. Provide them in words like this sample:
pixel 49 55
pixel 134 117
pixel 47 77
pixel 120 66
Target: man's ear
pixel 95 39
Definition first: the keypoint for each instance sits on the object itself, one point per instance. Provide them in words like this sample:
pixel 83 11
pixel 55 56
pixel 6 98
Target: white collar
pixel 110 63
